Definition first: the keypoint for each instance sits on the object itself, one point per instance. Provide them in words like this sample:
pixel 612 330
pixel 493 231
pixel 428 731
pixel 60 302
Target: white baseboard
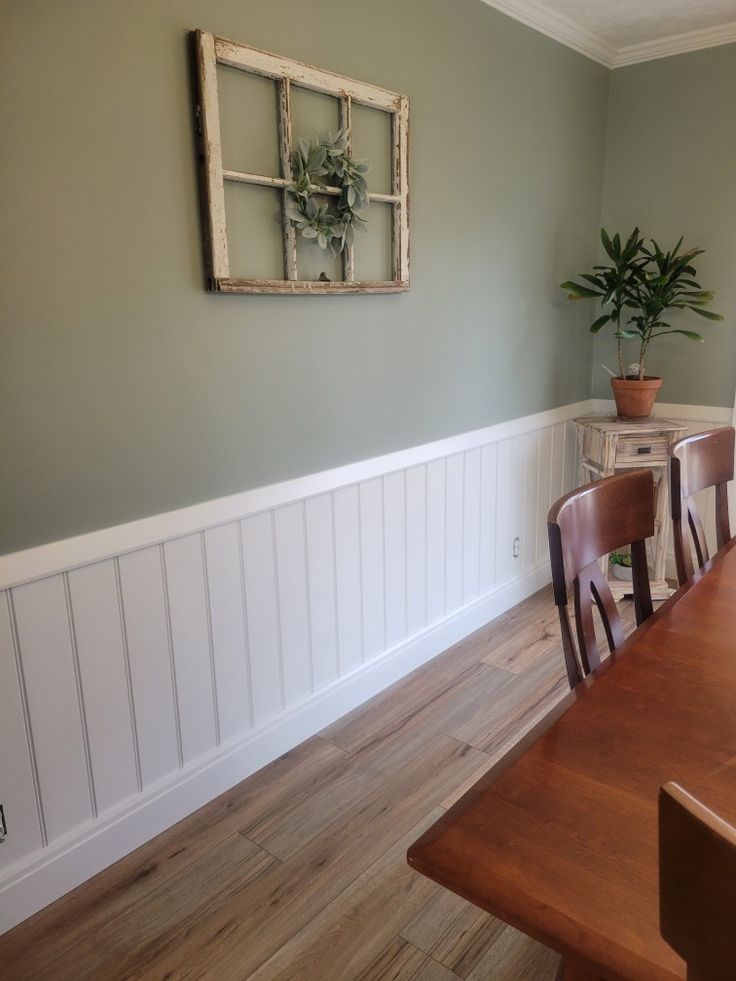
pixel 39 880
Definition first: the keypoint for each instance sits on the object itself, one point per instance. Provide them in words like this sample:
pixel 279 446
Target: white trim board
pixel 70 553
pixel 665 47
pixel 30 886
pixel 547 21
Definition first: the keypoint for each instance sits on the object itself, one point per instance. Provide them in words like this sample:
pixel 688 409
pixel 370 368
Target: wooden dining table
pixel 559 839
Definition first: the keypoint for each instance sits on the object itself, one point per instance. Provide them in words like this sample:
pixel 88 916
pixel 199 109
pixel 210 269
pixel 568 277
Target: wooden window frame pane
pixel 209 51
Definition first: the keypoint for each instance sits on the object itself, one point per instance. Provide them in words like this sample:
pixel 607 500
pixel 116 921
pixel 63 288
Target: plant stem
pixel 619 346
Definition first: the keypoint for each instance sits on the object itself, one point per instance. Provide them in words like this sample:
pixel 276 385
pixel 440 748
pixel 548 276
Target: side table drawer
pixel 641 450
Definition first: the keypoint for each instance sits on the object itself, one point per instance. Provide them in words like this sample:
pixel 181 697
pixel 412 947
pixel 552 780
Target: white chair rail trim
pixel 70 553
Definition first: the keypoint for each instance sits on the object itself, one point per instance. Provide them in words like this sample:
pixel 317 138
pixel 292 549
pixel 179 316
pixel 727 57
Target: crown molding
pixel 709 37
pixel 539 17
pixel 559 28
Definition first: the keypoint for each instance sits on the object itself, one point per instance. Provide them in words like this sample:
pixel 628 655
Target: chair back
pixel 697 885
pixel 696 463
pixel 583 526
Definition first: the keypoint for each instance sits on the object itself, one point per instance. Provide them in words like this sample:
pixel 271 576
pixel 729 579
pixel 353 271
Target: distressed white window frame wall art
pixel 211 51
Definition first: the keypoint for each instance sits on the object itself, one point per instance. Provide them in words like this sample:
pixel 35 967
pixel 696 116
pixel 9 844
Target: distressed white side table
pixel 607 445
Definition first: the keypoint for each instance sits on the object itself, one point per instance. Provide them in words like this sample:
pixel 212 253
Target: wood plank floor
pixel 300 872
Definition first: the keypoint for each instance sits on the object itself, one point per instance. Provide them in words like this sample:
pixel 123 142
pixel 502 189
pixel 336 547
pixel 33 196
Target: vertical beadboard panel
pixel 190 635
pixel 291 562
pixel 16 764
pixel 104 676
pixel 394 502
pixel 517 477
pixel 416 548
pixel 454 531
pixel 322 598
pixel 529 473
pixel 371 547
pixel 488 517
pixel 557 470
pixel 546 437
pixel 262 615
pixel 227 618
pixel 505 489
pixel 348 574
pixel 54 706
pixel 471 525
pixel 149 651
pixel 115 675
pixel 436 519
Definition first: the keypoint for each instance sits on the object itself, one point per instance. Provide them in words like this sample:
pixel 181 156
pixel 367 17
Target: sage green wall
pixel 671 169
pixel 128 391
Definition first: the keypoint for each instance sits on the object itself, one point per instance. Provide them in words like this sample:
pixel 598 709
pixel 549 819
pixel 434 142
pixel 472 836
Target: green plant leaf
pixel 707 314
pixel 597 281
pixel 607 244
pixel 577 291
pixel 597 326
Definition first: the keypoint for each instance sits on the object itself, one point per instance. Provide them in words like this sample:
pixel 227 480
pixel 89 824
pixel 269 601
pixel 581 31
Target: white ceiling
pixel 625 22
pixel 621 32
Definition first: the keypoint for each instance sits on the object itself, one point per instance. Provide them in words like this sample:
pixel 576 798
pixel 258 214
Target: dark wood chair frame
pixel 697 885
pixel 696 463
pixel 583 526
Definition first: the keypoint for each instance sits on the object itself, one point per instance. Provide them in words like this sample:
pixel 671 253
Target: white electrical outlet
pixel 516 548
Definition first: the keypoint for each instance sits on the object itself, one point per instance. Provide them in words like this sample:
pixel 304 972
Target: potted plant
pixel 622 568
pixel 644 283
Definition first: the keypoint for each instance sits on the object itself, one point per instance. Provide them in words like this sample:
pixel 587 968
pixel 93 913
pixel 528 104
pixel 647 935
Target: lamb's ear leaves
pixel 597 326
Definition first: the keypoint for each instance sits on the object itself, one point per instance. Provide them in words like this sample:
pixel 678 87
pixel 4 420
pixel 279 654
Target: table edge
pixel 416 853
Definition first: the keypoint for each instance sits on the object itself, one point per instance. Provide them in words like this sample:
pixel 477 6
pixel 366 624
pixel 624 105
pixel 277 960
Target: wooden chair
pixel 697 885
pixel 697 462
pixel 583 526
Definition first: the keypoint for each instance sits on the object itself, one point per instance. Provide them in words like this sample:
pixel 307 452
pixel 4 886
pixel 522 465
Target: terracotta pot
pixel 634 398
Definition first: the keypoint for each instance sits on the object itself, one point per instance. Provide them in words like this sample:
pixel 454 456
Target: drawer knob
pixel 644 449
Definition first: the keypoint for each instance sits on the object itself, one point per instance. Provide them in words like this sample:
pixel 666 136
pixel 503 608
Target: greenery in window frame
pixel 325 162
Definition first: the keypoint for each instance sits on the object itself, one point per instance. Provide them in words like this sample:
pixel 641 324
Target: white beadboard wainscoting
pixel 147 668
